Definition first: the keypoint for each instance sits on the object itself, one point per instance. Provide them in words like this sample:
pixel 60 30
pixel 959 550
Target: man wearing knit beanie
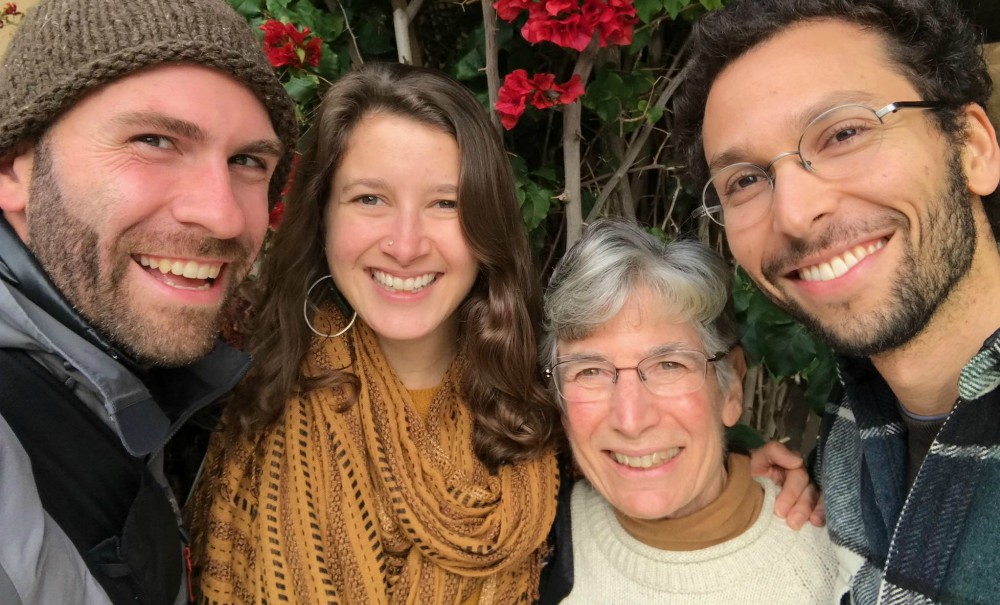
pixel 141 143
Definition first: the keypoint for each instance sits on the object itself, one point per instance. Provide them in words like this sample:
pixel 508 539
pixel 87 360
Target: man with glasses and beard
pixel 844 148
pixel 141 143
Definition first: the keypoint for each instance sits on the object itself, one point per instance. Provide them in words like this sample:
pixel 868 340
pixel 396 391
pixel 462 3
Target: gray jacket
pixel 38 562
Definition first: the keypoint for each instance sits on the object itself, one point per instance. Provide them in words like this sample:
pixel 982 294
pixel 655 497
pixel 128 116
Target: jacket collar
pixel 144 406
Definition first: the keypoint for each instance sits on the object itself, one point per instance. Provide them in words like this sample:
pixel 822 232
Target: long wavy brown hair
pixel 499 317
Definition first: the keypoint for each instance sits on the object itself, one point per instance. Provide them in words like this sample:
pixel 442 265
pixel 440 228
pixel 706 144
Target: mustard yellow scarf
pixel 372 505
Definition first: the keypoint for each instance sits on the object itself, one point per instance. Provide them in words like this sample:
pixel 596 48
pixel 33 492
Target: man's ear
pixel 981 153
pixel 16 167
pixel 732 407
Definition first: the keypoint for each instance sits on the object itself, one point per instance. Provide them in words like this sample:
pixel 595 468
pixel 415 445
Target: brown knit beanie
pixel 63 49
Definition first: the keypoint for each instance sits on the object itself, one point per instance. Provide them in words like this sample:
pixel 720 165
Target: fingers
pixel 799 501
pixel 796 502
pixel 772 459
pixel 818 516
pixel 803 509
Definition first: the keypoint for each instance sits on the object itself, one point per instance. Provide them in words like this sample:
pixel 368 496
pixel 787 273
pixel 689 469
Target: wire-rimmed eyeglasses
pixel 666 374
pixel 840 142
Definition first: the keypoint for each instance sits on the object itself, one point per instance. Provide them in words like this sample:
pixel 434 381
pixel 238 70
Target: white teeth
pixel 185 268
pixel 170 282
pixel 647 461
pixel 410 284
pixel 839 265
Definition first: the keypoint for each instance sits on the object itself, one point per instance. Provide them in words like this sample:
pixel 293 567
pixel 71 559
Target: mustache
pixel 185 245
pixel 790 257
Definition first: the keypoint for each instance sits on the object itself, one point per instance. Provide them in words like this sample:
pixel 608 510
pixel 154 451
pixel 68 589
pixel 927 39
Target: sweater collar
pixel 20 268
pixel 728 516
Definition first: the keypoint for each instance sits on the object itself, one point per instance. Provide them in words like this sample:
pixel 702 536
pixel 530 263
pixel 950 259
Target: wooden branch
pixel 401 26
pixel 413 9
pixel 637 143
pixel 352 49
pixel 572 114
pixel 492 60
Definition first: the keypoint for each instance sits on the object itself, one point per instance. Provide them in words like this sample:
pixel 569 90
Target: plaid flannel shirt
pixel 939 542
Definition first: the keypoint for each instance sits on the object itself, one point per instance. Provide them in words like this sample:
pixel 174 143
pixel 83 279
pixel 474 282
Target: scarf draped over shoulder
pixel 372 504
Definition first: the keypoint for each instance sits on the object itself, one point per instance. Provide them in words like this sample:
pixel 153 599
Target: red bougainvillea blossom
pixel 508 10
pixel 285 45
pixel 572 23
pixel 8 13
pixel 278 211
pixel 540 90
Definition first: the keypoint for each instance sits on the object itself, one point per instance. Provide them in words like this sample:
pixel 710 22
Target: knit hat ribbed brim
pixel 63 49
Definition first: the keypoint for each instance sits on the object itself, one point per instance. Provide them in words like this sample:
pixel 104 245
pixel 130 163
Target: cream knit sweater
pixel 769 564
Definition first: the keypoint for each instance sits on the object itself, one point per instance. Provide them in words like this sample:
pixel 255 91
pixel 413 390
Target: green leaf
pixel 641 37
pixel 329 63
pixel 469 66
pixel 375 35
pixel 604 94
pixel 639 82
pixel 535 205
pixel 278 9
pixel 326 25
pixel 661 235
pixel 248 9
pixel 546 173
pixel 743 437
pixel 653 115
pixel 674 7
pixel 647 9
pixel 788 349
pixel 302 89
pixel 820 379
pixel 712 4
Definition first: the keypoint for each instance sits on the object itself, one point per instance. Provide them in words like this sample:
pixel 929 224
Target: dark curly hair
pixel 499 317
pixel 933 45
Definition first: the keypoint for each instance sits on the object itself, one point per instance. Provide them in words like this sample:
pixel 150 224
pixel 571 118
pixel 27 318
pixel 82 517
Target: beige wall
pixel 992 52
pixel 5 33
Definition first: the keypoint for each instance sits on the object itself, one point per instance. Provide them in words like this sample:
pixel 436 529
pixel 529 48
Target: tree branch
pixel 638 141
pixel 352 49
pixel 492 60
pixel 401 18
pixel 572 114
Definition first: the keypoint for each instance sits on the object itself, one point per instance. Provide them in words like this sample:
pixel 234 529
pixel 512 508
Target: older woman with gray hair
pixel 645 365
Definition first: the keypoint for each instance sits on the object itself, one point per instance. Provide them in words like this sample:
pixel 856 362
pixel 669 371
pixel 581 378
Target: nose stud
pixel 390 243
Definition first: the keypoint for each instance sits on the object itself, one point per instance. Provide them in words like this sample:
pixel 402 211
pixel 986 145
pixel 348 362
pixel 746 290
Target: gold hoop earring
pixel 305 312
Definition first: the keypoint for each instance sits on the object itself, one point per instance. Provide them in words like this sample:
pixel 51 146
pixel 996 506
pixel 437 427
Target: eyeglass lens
pixel 837 144
pixel 666 375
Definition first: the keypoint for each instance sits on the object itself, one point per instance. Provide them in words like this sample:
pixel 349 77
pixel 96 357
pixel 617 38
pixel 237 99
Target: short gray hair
pixel 613 259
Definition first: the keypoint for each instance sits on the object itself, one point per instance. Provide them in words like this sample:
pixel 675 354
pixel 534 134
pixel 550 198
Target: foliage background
pixel 620 128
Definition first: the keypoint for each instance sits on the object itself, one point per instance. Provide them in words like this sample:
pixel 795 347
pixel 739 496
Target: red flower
pixel 554 7
pixel 569 32
pixel 540 89
pixel 10 9
pixel 573 23
pixel 296 156
pixel 512 96
pixel 277 213
pixel 548 93
pixel 613 19
pixel 508 10
pixel 285 45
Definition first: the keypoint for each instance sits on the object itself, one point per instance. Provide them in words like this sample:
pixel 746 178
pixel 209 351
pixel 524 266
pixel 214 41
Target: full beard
pixel 924 280
pixel 69 251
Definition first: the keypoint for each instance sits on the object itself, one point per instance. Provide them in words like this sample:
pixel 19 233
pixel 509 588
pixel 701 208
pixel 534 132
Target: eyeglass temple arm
pixel 896 106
